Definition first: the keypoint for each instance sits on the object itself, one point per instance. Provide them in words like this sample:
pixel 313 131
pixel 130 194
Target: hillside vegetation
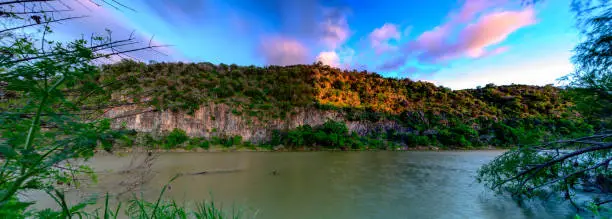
pixel 490 115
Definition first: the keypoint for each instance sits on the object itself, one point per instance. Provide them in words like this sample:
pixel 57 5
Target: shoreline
pixel 259 149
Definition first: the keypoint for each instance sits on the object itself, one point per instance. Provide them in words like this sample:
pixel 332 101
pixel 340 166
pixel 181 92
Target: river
pixel 334 185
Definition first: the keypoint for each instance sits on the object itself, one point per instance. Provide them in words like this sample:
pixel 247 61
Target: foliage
pixel 41 134
pixel 566 167
pixel 276 91
pixel 141 208
pixel 591 83
pixel 578 167
pixel 53 112
pixel 138 207
pixel 175 138
pixel 490 115
pixel 198 142
pixel 331 134
pixel 252 90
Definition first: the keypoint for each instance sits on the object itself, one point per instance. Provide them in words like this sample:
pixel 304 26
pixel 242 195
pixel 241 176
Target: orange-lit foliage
pixel 490 115
pixel 278 90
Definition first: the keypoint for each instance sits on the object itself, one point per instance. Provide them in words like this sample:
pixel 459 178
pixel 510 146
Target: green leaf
pixel 7 151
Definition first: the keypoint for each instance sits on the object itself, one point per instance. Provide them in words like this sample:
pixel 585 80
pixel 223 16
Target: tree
pixel 49 121
pixel 567 167
pixel 591 83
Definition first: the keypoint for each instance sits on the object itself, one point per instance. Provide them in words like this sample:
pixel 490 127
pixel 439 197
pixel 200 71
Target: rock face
pixel 218 120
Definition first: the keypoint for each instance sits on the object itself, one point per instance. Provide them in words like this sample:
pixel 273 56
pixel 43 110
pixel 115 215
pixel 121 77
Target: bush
pixel 175 138
pixel 237 140
pixel 418 140
pixel 198 142
pixel 227 142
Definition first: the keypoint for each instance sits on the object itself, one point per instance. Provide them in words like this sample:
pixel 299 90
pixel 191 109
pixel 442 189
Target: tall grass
pixel 140 208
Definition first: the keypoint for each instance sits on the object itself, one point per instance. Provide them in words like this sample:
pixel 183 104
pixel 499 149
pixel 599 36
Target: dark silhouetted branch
pixel 538 167
pixel 24 1
pixel 35 24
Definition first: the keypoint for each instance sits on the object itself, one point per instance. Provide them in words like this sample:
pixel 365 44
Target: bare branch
pixel 127 51
pixel 603 202
pixel 600 164
pixel 38 12
pixel 118 3
pixel 35 24
pixel 24 1
pixel 95 48
pixel 536 168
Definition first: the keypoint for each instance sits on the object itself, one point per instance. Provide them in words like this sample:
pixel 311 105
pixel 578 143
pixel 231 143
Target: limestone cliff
pixel 218 120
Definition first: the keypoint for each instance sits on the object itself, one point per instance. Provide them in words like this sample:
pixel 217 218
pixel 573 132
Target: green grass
pixel 139 207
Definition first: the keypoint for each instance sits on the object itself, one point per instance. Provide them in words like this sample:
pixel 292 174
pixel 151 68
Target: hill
pixel 401 111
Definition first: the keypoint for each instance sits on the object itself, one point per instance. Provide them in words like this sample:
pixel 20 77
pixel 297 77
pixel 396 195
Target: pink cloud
pixel 492 29
pixel 498 50
pixel 283 51
pixel 334 31
pixel 379 38
pixel 471 8
pixel 454 39
pixel 432 42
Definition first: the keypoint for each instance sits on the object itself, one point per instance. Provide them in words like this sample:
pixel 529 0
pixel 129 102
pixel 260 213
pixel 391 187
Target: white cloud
pixel 329 58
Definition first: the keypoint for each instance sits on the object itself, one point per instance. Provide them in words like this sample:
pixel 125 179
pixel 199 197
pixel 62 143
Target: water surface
pixel 334 185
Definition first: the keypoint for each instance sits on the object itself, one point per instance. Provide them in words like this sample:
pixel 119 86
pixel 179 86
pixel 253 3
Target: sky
pixel 454 43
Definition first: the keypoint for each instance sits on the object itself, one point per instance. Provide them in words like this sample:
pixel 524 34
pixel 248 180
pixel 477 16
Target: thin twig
pixel 24 1
pixel 35 24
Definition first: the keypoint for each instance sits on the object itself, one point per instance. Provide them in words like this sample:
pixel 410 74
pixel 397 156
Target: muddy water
pixel 326 184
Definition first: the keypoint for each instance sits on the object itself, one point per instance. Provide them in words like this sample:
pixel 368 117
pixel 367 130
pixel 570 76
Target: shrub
pixel 198 142
pixel 237 140
pixel 175 138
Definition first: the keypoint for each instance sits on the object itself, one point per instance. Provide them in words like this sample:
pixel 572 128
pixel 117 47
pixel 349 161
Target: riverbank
pixel 217 149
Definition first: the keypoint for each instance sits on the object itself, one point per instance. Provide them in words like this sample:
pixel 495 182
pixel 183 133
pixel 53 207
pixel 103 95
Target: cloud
pixel 471 8
pixel 492 29
pixel 393 64
pixel 339 58
pixel 283 51
pixel 497 51
pixel 456 39
pixel 303 26
pixel 329 58
pixel 318 21
pixel 474 39
pixel 333 34
pixel 379 38
pixel 334 29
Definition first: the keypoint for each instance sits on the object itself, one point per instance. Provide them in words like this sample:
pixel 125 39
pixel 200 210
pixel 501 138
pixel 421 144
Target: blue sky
pixel 454 43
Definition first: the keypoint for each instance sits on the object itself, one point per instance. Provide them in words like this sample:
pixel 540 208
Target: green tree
pixel 566 167
pixel 591 84
pixel 51 118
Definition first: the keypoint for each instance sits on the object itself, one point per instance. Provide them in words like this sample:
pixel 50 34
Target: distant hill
pixel 494 115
